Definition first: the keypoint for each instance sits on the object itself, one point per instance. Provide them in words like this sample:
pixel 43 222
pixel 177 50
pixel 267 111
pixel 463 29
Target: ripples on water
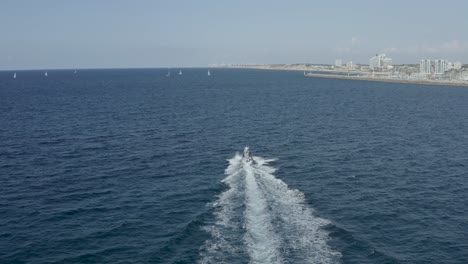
pixel 126 166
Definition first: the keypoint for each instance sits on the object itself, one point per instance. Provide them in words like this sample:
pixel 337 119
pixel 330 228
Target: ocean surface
pixel 131 166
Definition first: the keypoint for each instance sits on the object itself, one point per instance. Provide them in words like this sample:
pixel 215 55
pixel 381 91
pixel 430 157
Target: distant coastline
pixel 348 75
pixel 382 79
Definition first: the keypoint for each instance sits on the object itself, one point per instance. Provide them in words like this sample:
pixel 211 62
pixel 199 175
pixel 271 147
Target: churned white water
pixel 261 219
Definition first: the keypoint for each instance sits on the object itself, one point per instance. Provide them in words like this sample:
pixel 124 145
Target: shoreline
pixel 380 79
pixel 332 74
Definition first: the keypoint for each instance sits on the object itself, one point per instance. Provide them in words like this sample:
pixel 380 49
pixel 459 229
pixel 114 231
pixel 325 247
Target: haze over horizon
pixel 54 34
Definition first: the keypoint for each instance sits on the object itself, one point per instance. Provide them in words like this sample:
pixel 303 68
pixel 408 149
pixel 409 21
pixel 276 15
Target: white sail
pixel 14 76
pixel 209 73
pixel 180 72
pixel 45 74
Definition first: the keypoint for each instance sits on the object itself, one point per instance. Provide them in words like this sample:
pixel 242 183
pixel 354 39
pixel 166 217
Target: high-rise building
pixel 440 66
pixel 380 62
pixel 428 66
pixel 422 67
pixel 425 66
pixel 436 66
pixel 374 62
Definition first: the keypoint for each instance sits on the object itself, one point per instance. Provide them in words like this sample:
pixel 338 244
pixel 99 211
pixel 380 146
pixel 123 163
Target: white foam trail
pixel 226 232
pixel 261 239
pixel 259 218
pixel 301 231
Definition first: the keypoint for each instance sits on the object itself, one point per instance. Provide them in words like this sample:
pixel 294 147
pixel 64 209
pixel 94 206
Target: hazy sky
pixel 175 33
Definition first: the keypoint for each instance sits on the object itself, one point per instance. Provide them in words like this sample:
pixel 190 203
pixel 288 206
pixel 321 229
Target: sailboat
pixel 180 72
pixel 209 73
pixel 45 74
pixel 14 76
pixel 168 74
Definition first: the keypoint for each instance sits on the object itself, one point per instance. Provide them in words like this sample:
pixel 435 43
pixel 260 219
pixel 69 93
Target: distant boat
pixel 180 72
pixel 209 73
pixel 168 74
pixel 45 74
pixel 74 72
pixel 14 76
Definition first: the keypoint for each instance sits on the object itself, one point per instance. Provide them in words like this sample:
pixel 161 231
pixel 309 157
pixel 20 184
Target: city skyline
pixel 87 34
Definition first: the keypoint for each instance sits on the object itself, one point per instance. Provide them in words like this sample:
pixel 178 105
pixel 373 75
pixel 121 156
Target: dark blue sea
pixel 131 166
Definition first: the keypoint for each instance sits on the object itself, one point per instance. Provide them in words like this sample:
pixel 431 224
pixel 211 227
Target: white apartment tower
pixel 380 62
pixel 440 66
pixel 425 66
pixel 422 67
pixel 436 66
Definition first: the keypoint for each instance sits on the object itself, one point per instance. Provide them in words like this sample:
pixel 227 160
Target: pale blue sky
pixel 143 33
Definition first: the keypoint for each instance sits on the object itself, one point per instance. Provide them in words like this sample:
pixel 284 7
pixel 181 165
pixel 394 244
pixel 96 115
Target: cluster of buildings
pixel 380 62
pixel 349 65
pixel 381 65
pixel 437 66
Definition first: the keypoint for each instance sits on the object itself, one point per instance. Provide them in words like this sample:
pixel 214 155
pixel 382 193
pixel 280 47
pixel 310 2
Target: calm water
pixel 128 166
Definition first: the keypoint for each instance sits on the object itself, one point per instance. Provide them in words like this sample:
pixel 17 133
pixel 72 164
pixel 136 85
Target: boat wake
pixel 259 219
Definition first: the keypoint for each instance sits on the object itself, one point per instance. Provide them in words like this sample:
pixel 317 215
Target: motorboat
pixel 246 155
